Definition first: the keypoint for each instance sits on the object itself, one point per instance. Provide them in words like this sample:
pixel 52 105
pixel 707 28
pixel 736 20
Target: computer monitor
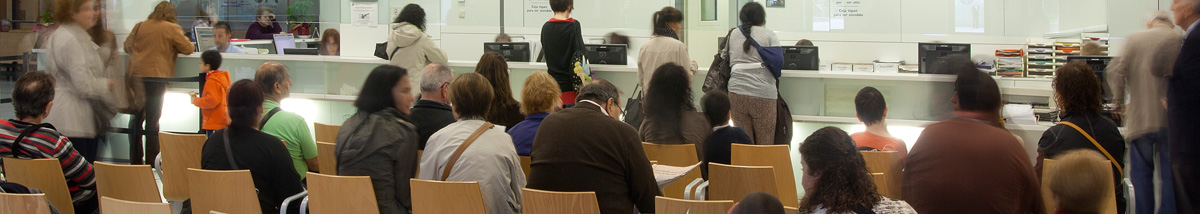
pixel 801 58
pixel 928 53
pixel 300 51
pixel 610 54
pixel 512 51
pixel 205 38
pixel 1099 64
pixel 284 41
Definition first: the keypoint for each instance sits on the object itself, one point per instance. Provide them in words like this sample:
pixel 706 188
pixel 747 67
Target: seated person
pixel 586 149
pixel 504 111
pixel 1076 181
pixel 758 203
pixel 380 141
pixel 223 34
pixel 539 97
pixel 716 148
pixel 264 26
pixel 671 115
pixel 490 159
pixel 262 154
pixel 804 42
pixel 433 111
pixel 836 180
pixel 1078 94
pixel 872 111
pixel 276 85
pixel 32 97
pixel 331 43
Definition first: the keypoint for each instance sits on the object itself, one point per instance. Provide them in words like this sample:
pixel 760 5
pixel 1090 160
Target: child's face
pixel 204 68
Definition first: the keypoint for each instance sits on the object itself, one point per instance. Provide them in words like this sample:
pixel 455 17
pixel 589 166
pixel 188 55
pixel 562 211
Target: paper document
pixel 665 175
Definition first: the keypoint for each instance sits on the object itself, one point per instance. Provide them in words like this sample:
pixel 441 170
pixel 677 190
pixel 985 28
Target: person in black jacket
pixel 1078 93
pixel 433 112
pixel 716 147
pixel 264 155
pixel 562 37
pixel 1183 85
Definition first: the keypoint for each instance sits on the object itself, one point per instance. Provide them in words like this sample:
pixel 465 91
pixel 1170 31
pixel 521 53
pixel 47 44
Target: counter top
pixel 270 41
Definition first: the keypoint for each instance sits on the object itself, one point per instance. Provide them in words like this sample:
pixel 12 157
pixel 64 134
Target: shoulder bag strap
pixel 268 117
pixel 229 151
pixel 458 152
pixel 15 147
pixel 1089 137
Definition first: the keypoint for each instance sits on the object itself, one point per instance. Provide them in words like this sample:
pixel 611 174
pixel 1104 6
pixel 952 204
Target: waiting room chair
pixel 550 202
pixel 326 158
pixel 665 205
pixel 326 132
pixel 728 182
pixel 112 205
pixel 1110 204
pixel 883 183
pixel 674 155
pixel 525 162
pixel 42 174
pixel 341 194
pixel 133 183
pixel 23 203
pixel 179 152
pixel 775 156
pixel 446 197
pixel 229 191
pixel 888 163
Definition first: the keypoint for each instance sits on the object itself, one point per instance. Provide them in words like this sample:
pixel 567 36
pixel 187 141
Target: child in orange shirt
pixel 872 111
pixel 212 99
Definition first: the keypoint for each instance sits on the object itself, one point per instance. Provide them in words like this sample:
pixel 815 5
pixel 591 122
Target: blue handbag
pixel 772 56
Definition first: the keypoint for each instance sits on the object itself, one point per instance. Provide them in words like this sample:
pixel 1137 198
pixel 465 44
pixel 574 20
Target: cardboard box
pixel 843 67
pixel 864 68
pixel 887 67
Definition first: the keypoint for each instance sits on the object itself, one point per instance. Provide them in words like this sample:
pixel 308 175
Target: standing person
pixel 539 97
pixel 970 163
pixel 380 140
pixel 489 159
pixel 153 47
pixel 562 39
pixel 264 26
pixel 408 45
pixel 211 100
pixel 222 33
pixel 1182 87
pixel 505 111
pixel 105 109
pixel 1078 92
pixel 751 86
pixel 75 63
pixel 673 118
pixel 1141 72
pixel 250 149
pixel 433 111
pixel 276 85
pixel 331 44
pixel 871 109
pixel 836 179
pixel 664 46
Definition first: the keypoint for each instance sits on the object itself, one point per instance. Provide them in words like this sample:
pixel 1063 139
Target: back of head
pixel 1078 179
pixel 844 182
pixel 1077 89
pixel 617 39
pixel 1160 17
pixel 434 76
pixel 758 203
pixel 716 107
pixel 212 58
pixel 752 14
pixel 561 5
pixel 668 96
pixel 269 74
pixel 467 92
pixel 804 42
pixel 539 94
pixel 870 105
pixel 164 11
pixel 502 37
pixel 413 14
pixel 599 91
pixel 1090 49
pixel 665 16
pixel 245 103
pixel 976 91
pixel 377 90
pixel 32 92
pixel 494 68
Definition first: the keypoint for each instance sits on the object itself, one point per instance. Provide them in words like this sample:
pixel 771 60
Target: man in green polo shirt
pixel 287 126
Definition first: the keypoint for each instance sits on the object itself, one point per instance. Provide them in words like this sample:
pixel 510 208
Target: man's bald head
pixel 273 78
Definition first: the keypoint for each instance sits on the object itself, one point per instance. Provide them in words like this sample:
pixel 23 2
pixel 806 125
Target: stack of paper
pixel 665 175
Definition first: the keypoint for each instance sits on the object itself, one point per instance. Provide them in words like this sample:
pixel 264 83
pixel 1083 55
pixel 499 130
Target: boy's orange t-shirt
pixel 881 143
pixel 213 109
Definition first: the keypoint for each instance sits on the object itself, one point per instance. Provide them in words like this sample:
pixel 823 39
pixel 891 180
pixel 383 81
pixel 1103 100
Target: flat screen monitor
pixel 300 51
pixel 609 54
pixel 283 41
pixel 205 38
pixel 1099 64
pixel 929 53
pixel 801 58
pixel 512 51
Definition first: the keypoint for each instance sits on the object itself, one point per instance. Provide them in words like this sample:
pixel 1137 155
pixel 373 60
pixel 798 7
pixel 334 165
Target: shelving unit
pixel 1040 58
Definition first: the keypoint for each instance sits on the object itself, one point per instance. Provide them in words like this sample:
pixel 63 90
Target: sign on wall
pixel 364 13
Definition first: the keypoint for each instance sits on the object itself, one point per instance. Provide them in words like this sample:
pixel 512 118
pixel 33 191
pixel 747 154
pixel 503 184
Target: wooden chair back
pixel 24 204
pixel 112 205
pixel 883 183
pixel 665 205
pixel 42 174
pixel 728 182
pixel 446 197
pixel 888 163
pixel 525 161
pixel 775 156
pixel 1110 204
pixel 179 152
pixel 341 194
pixel 133 183
pixel 229 191
pixel 674 155
pixel 549 202
pixel 326 158
pixel 326 132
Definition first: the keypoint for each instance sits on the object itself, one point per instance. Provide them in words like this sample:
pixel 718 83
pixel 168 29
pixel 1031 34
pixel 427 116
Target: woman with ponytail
pixel 664 46
pixel 752 88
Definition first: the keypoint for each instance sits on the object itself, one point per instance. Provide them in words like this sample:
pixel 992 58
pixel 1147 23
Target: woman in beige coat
pixel 664 46
pixel 408 45
pixel 74 61
pixel 153 46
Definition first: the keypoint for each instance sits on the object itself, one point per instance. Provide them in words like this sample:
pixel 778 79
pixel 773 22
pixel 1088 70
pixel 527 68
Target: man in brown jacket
pixel 586 149
pixel 153 46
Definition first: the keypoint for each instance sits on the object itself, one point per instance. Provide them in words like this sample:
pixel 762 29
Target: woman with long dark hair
pixel 674 119
pixel 505 111
pixel 752 88
pixel 836 179
pixel 380 140
pixel 664 46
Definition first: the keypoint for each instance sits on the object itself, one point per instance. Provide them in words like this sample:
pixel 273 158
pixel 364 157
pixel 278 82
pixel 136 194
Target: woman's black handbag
pixel 718 72
pixel 633 108
pixel 381 51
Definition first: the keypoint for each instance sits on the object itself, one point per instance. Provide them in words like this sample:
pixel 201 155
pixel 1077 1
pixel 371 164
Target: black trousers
pixel 149 115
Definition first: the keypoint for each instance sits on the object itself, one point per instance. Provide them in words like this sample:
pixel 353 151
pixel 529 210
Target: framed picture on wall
pixel 775 3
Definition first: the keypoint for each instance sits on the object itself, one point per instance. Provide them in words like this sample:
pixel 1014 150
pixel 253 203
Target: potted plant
pixel 45 21
pixel 299 21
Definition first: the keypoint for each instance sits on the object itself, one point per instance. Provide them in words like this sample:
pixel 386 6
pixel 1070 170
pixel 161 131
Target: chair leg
pixel 283 207
pixel 304 204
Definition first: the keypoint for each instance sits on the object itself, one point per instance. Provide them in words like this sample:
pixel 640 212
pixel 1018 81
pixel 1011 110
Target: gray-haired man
pixel 433 112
